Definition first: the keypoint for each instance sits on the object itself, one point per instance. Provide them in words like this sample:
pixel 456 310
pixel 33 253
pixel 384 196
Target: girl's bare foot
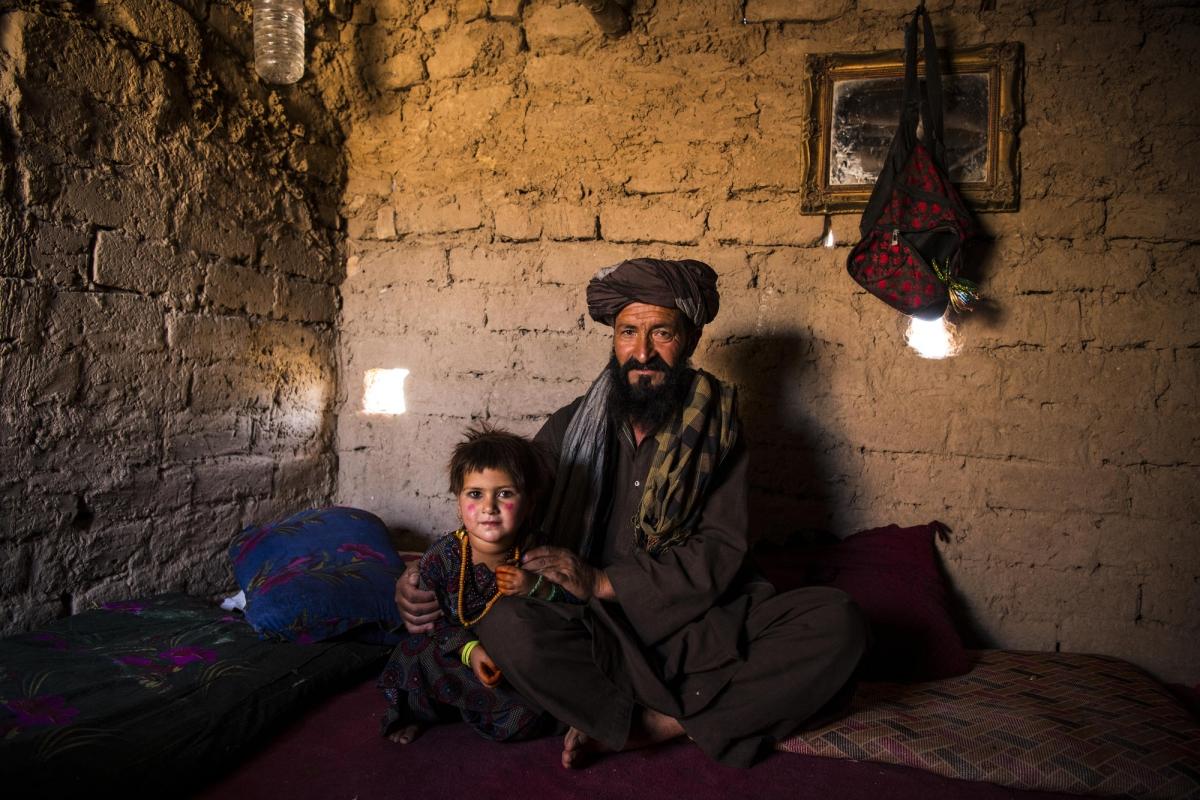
pixel 406 734
pixel 650 727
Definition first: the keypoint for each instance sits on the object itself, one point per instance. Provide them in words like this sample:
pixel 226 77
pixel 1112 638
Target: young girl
pixel 497 478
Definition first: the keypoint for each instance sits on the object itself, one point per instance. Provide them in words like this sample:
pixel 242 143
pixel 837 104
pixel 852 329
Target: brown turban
pixel 690 286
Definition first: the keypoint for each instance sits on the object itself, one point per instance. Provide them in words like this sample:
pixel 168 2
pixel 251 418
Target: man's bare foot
pixel 650 727
pixel 577 745
pixel 654 727
pixel 405 734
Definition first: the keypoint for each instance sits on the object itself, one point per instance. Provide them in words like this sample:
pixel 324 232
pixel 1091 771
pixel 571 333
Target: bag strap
pixel 913 108
pixel 928 107
pixel 935 132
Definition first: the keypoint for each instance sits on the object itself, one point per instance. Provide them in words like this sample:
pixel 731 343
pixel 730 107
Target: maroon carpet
pixel 335 751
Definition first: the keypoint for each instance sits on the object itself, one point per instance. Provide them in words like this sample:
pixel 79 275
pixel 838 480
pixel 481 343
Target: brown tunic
pixel 695 632
pixel 685 609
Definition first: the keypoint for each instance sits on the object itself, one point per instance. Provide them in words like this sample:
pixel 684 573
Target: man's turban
pixel 690 286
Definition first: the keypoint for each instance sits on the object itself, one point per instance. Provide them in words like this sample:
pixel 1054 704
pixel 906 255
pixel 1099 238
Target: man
pixel 649 522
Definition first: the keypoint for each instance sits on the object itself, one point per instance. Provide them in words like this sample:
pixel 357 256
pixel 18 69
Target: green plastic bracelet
pixel 466 651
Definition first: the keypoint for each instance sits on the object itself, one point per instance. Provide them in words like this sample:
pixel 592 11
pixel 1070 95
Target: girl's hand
pixel 484 668
pixel 512 580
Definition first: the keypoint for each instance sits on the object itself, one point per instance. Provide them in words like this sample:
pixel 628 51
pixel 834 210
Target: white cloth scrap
pixel 238 601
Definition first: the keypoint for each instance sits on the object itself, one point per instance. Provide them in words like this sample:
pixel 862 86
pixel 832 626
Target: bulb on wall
pixel 279 40
pixel 933 338
pixel 383 391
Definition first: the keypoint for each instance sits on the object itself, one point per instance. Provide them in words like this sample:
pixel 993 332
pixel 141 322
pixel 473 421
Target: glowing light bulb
pixel 933 338
pixel 383 391
pixel 829 240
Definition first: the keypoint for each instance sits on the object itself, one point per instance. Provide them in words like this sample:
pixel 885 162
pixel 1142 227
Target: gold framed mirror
pixel 854 109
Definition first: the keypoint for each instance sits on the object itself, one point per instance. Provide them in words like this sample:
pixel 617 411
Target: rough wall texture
pixel 502 151
pixel 169 262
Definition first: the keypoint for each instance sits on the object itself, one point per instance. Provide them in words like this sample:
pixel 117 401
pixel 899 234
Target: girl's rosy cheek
pixel 509 506
pixel 470 508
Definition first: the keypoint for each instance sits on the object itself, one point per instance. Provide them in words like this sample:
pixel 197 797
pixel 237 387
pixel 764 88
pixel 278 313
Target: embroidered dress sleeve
pixel 451 638
pixel 662 593
pixel 439 573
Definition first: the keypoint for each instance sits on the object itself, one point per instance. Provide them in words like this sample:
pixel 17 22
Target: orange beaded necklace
pixel 462 580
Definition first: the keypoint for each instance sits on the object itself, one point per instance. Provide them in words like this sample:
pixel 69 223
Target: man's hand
pixel 484 668
pixel 513 580
pixel 570 572
pixel 418 607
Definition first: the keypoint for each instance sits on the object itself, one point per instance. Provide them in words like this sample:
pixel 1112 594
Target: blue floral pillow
pixel 318 574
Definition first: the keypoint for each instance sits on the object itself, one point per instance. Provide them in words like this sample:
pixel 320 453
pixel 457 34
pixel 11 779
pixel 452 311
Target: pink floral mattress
pixel 1060 722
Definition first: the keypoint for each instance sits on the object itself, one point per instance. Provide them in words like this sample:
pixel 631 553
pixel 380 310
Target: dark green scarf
pixel 689 450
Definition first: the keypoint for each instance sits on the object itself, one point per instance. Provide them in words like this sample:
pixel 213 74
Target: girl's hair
pixel 486 447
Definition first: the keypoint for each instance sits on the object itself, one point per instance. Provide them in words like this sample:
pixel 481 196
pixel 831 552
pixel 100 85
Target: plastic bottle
pixel 279 40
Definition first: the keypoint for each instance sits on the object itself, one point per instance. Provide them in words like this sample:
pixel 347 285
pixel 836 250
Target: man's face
pixel 647 341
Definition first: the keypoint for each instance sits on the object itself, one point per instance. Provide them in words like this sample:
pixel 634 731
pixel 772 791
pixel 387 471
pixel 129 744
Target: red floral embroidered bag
pixel 915 224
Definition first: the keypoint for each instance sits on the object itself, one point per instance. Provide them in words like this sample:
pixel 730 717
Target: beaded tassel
pixel 963 293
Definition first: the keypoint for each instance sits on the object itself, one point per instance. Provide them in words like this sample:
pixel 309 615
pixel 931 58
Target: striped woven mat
pixel 1059 722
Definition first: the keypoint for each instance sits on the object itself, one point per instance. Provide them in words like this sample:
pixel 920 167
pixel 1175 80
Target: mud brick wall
pixel 168 288
pixel 502 151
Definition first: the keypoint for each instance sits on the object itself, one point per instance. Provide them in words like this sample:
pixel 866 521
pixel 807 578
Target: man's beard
pixel 643 403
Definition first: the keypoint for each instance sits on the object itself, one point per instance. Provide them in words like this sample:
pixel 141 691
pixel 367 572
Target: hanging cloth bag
pixel 915 224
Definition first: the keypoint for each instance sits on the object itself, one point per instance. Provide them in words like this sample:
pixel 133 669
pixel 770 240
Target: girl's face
pixel 492 510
